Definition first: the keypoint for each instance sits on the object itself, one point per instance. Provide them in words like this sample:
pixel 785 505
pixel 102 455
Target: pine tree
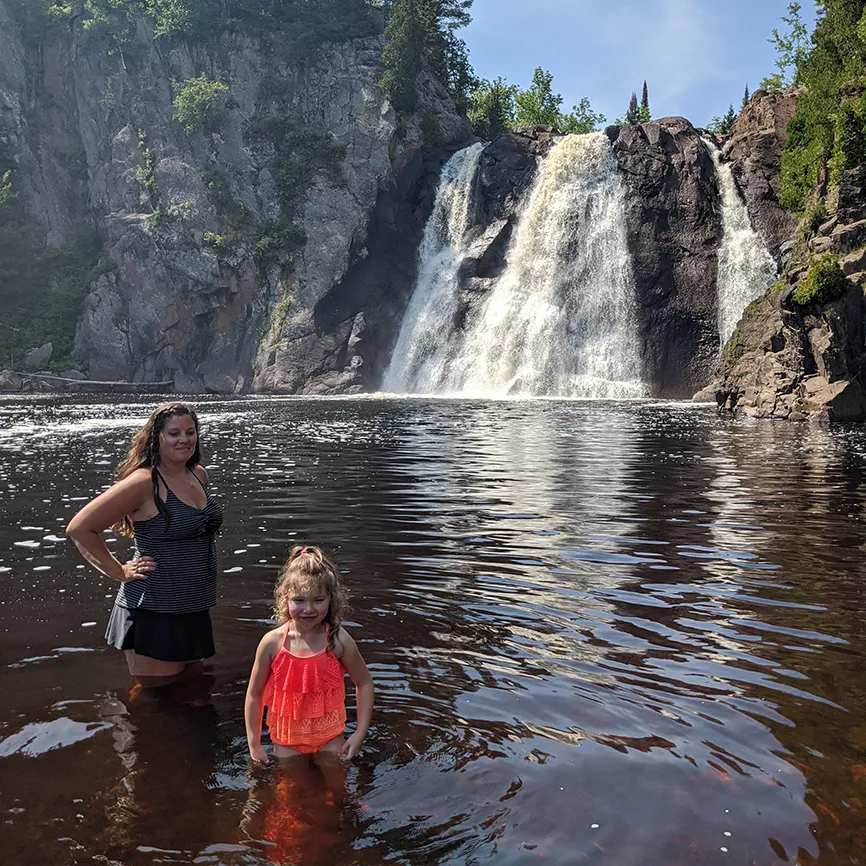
pixel 645 115
pixel 728 120
pixel 632 116
pixel 402 55
pixel 746 95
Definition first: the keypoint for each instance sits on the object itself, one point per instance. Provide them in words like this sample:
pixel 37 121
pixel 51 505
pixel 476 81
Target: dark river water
pixel 620 634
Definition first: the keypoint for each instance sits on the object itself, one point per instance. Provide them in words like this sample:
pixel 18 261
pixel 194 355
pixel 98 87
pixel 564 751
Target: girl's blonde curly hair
pixel 308 568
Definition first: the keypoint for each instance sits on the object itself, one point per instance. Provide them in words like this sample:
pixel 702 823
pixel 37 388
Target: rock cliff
pixel 755 153
pixel 674 223
pixel 798 358
pixel 187 290
pixel 798 355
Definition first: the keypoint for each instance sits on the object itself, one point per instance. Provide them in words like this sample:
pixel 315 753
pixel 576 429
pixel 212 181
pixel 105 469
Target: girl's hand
pixel 351 747
pixel 138 569
pixel 258 754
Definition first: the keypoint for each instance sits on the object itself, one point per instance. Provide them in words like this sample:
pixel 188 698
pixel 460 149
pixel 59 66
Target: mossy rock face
pixel 825 282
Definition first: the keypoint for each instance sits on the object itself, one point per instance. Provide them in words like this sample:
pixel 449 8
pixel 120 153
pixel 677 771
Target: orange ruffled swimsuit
pixel 306 700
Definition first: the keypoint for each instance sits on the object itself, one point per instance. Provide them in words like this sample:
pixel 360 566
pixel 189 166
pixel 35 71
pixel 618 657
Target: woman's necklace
pixel 186 476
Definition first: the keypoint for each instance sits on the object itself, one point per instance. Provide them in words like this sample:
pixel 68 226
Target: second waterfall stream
pixel 746 268
pixel 560 321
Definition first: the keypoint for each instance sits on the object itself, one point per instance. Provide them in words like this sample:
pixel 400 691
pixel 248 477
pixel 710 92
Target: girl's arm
pixel 255 692
pixel 364 693
pixel 86 528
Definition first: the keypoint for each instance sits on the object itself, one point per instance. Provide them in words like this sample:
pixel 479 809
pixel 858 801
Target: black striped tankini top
pixel 184 548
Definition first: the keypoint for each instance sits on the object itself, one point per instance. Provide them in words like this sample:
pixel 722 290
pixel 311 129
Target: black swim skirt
pixel 169 637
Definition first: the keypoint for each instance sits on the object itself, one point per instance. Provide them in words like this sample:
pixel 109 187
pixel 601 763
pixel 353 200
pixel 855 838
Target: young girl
pixel 300 665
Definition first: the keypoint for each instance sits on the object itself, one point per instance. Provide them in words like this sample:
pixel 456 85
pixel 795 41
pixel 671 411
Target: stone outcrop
pixel 674 226
pixel 755 153
pixel 39 356
pixel 798 362
pixel 183 295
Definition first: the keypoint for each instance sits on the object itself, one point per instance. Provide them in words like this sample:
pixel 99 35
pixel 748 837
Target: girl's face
pixel 308 606
pixel 178 438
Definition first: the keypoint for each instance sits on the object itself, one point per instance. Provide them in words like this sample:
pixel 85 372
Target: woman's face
pixel 178 438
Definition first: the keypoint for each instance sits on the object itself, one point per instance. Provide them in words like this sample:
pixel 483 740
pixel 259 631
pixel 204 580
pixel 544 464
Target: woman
pixel 161 616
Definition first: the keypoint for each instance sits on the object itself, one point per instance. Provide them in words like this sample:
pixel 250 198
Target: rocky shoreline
pixel 12 382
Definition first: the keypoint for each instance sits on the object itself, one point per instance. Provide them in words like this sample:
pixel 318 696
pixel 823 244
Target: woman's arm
pixel 364 693
pixel 265 653
pixel 86 528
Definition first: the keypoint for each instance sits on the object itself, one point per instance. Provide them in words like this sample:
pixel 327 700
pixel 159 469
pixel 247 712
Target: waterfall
pixel 561 320
pixel 427 329
pixel 746 268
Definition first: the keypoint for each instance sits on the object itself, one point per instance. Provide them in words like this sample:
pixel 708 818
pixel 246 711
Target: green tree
pixel 645 115
pixel 170 17
pixel 632 116
pixel 444 50
pixel 423 31
pixel 199 103
pixel 823 136
pixel 403 55
pixel 849 144
pixel 582 118
pixel 723 125
pixel 538 105
pixel 792 47
pixel 746 96
pixel 491 108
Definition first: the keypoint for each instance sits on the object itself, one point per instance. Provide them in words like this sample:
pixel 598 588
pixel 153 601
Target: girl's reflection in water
pixel 298 810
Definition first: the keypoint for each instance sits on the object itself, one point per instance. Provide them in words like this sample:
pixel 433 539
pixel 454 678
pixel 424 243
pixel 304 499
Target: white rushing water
pixel 426 334
pixel 746 268
pixel 561 320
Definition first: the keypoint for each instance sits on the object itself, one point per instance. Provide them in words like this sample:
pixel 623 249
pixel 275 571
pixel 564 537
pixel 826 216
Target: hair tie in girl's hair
pixel 303 551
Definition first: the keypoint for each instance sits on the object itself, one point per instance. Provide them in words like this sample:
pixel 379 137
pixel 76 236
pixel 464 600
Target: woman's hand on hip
pixel 138 569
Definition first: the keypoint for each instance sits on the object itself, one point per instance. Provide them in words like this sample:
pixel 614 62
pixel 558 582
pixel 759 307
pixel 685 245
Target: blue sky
pixel 696 55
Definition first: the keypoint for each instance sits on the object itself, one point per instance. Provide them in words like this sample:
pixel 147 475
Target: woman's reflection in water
pixel 169 743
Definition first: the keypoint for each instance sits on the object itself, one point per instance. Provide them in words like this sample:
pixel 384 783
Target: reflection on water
pixel 600 633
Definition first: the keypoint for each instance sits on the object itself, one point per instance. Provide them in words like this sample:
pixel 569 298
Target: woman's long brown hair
pixel 144 454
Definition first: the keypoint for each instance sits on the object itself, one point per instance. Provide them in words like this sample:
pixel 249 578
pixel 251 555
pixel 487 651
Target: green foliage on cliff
pixel 147 176
pixel 824 282
pixel 849 144
pixel 815 214
pixel 828 133
pixel 280 313
pixel 296 25
pixel 424 31
pixel 41 288
pixel 199 103
pixel 300 152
